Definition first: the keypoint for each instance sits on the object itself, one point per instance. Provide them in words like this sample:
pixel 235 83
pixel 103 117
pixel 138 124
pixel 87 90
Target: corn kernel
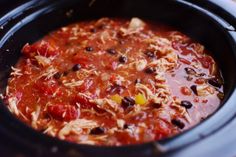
pixel 140 99
pixel 116 98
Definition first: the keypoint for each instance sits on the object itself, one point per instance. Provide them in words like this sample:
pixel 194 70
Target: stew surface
pixel 114 81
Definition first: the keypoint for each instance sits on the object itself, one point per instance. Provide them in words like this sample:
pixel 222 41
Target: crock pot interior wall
pixel 195 24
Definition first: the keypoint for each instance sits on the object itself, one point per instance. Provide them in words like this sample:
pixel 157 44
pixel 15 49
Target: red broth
pixel 114 82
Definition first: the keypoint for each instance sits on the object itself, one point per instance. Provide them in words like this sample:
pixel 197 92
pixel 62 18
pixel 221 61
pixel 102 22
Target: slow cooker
pixel 209 22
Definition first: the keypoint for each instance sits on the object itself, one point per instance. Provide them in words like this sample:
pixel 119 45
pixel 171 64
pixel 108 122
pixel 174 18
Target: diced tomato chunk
pixel 204 101
pixel 185 61
pixel 207 61
pixel 84 102
pixel 162 129
pixel 63 112
pixel 199 81
pixel 113 78
pixel 48 88
pixel 42 48
pixel 185 90
pixel 82 60
pixel 196 99
pixel 26 49
pixel 186 50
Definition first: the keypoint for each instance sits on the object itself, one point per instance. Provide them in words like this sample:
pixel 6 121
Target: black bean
pixel 89 48
pixel 186 104
pixel 123 59
pixel 137 81
pixel 150 70
pixel 150 54
pixel 57 75
pixel 97 131
pixel 156 105
pixel 190 71
pixel 126 126
pixel 194 89
pixel 127 102
pixel 214 82
pixel 76 67
pixel 111 51
pixel 178 123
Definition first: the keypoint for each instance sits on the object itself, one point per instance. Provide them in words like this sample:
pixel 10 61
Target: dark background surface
pixel 7 148
pixel 220 144
pixel 6 5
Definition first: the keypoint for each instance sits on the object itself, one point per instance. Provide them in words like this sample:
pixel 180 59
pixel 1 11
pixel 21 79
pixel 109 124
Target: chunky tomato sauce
pixel 114 82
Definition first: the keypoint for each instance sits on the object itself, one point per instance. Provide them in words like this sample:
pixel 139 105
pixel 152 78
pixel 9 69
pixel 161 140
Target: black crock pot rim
pixel 162 145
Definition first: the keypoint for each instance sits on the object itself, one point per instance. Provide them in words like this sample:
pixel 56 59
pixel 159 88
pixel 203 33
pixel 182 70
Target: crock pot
pixel 204 21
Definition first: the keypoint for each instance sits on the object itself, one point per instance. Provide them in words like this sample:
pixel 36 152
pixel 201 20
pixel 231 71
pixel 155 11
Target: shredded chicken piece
pixel 162 94
pixel 182 111
pixel 140 64
pixel 92 140
pixel 44 61
pixel 119 80
pixel 76 126
pixel 136 24
pixel 13 102
pixel 196 64
pixel 73 83
pixel 85 95
pixel 160 45
pixel 137 109
pixel 73 38
pixel 64 29
pixel 205 90
pixel 120 123
pixel 107 105
pixel 51 130
pixel 144 90
pixel 48 73
pixel 104 36
pixel 35 116
pixel 163 65
pixel 1 96
pixel 105 76
pixel 164 47
pixel 16 72
pixel 176 36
